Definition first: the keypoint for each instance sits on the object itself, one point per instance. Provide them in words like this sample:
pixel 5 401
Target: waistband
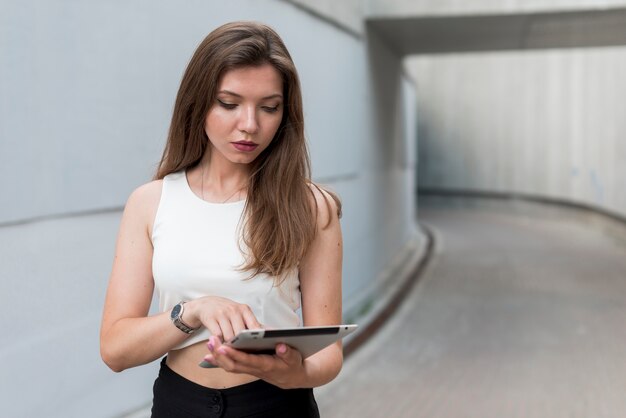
pixel 257 386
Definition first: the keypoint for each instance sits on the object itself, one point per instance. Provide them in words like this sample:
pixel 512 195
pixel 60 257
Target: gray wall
pixel 545 123
pixel 347 14
pixel 86 94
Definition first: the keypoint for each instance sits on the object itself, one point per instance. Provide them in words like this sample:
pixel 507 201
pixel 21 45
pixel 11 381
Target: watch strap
pixel 178 320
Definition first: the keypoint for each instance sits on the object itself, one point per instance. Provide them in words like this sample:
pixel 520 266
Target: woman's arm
pixel 320 284
pixel 128 337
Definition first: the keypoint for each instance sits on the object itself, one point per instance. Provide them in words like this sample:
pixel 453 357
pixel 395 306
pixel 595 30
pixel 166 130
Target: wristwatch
pixel 177 318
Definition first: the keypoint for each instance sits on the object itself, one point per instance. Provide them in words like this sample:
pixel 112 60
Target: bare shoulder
pixel 327 205
pixel 146 195
pixel 143 202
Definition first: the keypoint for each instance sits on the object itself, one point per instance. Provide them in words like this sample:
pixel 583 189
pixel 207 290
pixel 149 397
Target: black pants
pixel 175 396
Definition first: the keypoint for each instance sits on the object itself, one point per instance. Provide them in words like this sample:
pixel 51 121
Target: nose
pixel 248 122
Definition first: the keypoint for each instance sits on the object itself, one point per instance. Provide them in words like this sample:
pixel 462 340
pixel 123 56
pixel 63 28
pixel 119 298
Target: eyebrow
pixel 271 96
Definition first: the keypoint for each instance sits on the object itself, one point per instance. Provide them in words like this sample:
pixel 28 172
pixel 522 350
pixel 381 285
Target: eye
pixel 225 105
pixel 270 109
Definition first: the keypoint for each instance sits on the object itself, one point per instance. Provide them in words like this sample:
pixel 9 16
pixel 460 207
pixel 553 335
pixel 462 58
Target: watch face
pixel 176 311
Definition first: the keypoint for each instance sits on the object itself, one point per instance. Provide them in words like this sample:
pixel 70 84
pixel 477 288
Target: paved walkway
pixel 521 313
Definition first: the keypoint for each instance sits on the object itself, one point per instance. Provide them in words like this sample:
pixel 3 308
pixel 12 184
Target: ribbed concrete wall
pixel 86 94
pixel 543 123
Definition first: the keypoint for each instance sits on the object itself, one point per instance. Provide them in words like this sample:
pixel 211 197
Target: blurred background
pixel 413 109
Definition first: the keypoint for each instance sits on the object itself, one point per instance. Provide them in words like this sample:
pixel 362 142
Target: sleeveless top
pixel 197 253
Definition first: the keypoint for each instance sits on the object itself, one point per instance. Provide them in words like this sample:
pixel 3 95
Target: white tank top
pixel 196 253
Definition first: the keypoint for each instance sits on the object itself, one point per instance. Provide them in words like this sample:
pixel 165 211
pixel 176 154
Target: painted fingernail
pixel 211 348
pixel 282 348
pixel 205 364
pixel 221 350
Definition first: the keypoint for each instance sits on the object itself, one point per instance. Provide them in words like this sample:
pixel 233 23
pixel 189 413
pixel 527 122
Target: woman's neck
pixel 222 180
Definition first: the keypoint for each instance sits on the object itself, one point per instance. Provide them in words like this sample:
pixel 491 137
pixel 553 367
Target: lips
pixel 245 146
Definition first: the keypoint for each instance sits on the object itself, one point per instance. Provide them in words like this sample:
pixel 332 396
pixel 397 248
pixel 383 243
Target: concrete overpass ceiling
pixel 398 8
pixel 493 32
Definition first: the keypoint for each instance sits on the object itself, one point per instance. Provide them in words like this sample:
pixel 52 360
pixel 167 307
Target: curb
pixel 390 302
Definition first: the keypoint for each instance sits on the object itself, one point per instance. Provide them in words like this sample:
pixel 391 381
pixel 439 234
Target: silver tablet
pixel 307 340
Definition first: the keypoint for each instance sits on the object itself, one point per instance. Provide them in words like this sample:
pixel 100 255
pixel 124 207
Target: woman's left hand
pixel 284 369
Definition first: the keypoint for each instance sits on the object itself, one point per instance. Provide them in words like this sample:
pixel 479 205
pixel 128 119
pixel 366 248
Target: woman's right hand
pixel 223 317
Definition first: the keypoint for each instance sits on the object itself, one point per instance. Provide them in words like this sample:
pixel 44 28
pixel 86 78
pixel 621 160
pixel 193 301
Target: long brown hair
pixel 280 216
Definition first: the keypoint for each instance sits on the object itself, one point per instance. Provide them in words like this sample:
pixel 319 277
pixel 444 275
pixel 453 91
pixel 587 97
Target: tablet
pixel 307 340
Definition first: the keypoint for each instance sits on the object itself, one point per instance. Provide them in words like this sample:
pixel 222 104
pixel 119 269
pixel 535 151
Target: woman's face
pixel 246 114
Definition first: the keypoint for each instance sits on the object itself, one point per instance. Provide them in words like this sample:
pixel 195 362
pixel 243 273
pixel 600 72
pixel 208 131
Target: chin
pixel 243 160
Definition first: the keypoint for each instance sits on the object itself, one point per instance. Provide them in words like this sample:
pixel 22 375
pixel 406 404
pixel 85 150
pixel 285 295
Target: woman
pixel 232 234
